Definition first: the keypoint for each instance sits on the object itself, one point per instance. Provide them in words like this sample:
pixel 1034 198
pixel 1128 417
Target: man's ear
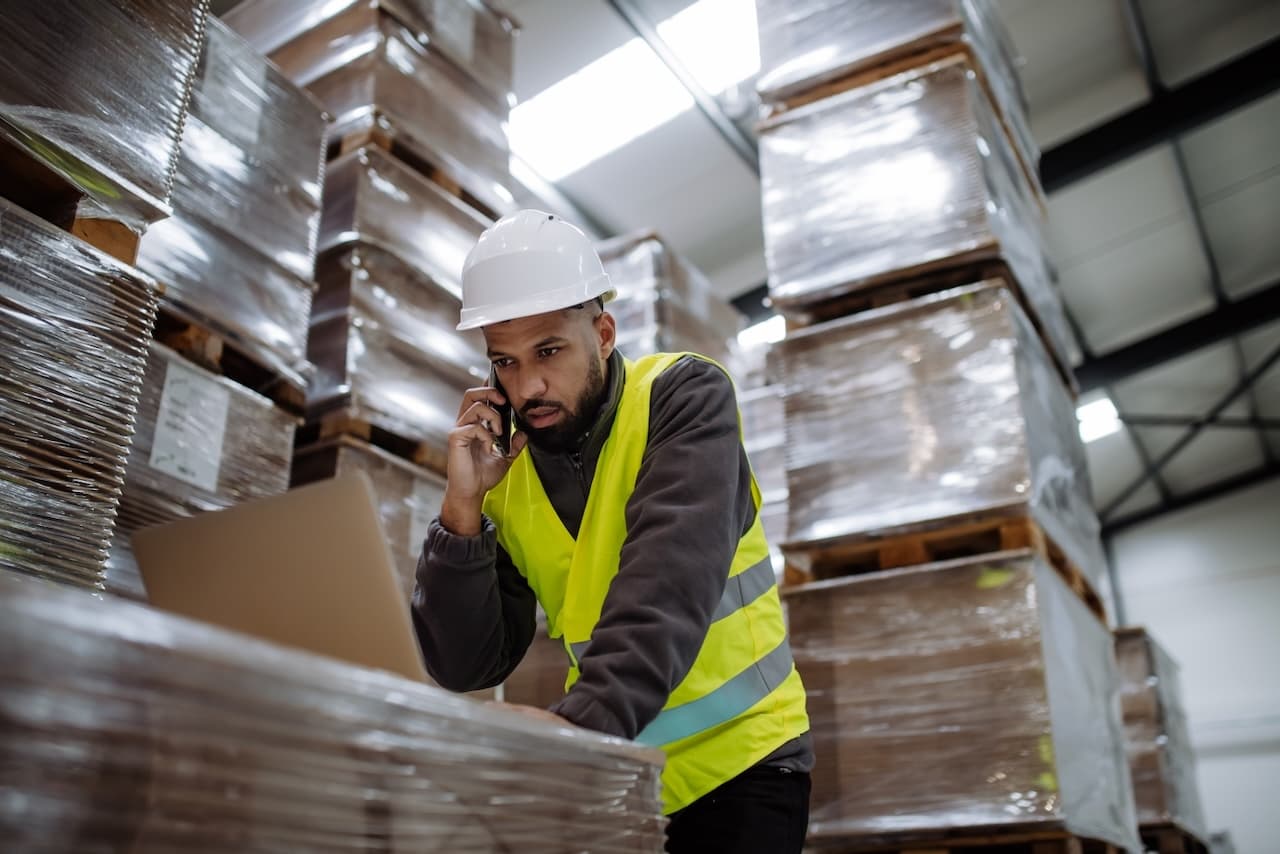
pixel 606 333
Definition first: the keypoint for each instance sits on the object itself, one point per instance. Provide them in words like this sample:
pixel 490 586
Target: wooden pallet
pixel 995 842
pixel 222 354
pixel 35 187
pixel 394 145
pixel 362 425
pixel 1170 839
pixel 956 539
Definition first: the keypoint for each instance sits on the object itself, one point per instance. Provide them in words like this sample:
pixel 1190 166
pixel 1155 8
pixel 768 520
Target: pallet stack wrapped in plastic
pixel 142 731
pixel 763 411
pixel 420 93
pixel 74 325
pixel 1157 738
pixel 93 101
pixel 929 415
pixel 238 256
pixel 663 303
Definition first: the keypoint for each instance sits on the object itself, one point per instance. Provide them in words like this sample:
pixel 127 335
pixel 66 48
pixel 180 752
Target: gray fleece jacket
pixel 474 613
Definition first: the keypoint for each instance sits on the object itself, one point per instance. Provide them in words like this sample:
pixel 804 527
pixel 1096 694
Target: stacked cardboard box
pixel 539 680
pixel 663 303
pixel 146 732
pixel 929 413
pixel 74 325
pixel 979 693
pixel 1161 759
pixel 202 442
pixel 238 255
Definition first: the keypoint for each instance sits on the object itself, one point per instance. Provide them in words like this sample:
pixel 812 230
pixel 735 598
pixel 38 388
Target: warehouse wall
pixel 1206 583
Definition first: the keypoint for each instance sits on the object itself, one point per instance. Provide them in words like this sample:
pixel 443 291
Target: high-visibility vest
pixel 742 698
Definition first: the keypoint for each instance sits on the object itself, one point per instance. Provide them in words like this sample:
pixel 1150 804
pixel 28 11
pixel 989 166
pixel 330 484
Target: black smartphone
pixel 503 440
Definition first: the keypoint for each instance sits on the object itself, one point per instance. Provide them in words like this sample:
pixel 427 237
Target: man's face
pixel 552 368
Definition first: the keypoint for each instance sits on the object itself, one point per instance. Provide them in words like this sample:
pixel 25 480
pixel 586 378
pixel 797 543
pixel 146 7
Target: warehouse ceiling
pixel 1160 126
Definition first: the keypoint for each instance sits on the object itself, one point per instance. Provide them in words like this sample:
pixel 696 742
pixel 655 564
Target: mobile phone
pixel 503 440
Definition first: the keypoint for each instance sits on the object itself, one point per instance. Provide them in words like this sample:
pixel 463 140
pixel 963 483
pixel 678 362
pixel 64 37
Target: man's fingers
pixel 483 393
pixel 469 434
pixel 518 441
pixel 481 412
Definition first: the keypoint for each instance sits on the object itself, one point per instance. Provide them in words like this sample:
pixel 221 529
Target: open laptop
pixel 310 569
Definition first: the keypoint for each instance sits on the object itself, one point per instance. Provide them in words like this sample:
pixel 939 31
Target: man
pixel 632 518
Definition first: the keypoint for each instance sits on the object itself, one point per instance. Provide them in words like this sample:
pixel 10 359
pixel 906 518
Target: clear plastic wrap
pixel 384 345
pixel 409 496
pixel 900 180
pixel 253 153
pixel 202 443
pixel 978 694
pixel 373 198
pixel 138 730
pixel 303 35
pixel 764 438
pixel 807 44
pixel 98 93
pixel 372 72
pixel 74 326
pixel 918 415
pixel 1161 758
pixel 234 289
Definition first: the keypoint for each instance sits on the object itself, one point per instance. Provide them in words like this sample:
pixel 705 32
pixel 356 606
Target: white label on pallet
pixel 424 506
pixel 190 427
pixel 456 29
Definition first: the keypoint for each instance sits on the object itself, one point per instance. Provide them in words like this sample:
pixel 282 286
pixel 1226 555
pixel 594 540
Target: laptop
pixel 309 569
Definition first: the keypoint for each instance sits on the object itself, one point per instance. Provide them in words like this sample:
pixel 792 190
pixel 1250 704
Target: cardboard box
pixel 74 325
pixel 927 413
pixel 975 696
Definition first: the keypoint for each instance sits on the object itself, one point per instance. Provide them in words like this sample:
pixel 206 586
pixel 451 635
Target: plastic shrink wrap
pixel 904 179
pixel 409 496
pixel 764 438
pixel 202 443
pixel 302 34
pixel 972 694
pixel 74 325
pixel 221 282
pixel 141 731
pixel 371 72
pixel 917 415
pixel 814 42
pixel 386 350
pixel 1161 759
pixel 253 153
pixel 374 199
pixel 98 93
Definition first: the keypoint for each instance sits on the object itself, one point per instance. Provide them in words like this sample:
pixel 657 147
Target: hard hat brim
pixel 557 300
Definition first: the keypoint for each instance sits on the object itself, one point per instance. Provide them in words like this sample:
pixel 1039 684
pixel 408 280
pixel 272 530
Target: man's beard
pixel 567 435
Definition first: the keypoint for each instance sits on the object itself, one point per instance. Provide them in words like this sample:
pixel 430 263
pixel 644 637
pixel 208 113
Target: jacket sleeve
pixel 472 611
pixel 691 505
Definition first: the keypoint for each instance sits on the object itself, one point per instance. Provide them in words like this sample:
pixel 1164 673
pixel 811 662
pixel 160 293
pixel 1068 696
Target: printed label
pixel 190 427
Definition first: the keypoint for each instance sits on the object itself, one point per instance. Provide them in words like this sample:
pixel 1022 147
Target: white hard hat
pixel 527 263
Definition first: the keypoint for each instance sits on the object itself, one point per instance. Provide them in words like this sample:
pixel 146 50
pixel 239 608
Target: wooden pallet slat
pixel 947 541
pixel 1171 839
pixel 366 427
pixel 961 841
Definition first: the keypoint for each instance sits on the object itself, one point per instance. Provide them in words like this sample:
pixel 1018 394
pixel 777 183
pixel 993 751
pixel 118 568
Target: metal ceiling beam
pixel 1252 422
pixel 754 304
pixel 1262 473
pixel 1224 322
pixel 742 144
pixel 1166 115
pixel 1187 437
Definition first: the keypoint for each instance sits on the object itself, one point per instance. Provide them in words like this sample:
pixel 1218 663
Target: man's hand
pixel 531 712
pixel 475 466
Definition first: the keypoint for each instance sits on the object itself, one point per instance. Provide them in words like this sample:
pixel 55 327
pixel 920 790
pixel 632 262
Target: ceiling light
pixel 1097 418
pixel 768 331
pixel 730 25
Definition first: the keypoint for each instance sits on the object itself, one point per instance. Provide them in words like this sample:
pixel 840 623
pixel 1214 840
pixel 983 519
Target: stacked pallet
pixel 663 303
pixel 92 108
pixel 222 393
pixel 420 93
pixel 147 732
pixel 1161 758
pixel 942 549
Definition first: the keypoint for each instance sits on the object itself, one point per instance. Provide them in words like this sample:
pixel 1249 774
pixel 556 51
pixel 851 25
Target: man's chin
pixel 553 439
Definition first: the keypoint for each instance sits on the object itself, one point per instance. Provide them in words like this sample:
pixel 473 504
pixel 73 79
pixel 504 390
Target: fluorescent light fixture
pixel 629 91
pixel 1098 418
pixel 729 26
pixel 768 331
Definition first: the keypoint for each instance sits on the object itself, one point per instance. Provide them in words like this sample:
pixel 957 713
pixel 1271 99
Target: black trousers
pixel 764 810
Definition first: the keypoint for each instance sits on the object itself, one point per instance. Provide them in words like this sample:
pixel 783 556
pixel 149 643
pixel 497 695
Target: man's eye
pixel 548 352
pixel 502 363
